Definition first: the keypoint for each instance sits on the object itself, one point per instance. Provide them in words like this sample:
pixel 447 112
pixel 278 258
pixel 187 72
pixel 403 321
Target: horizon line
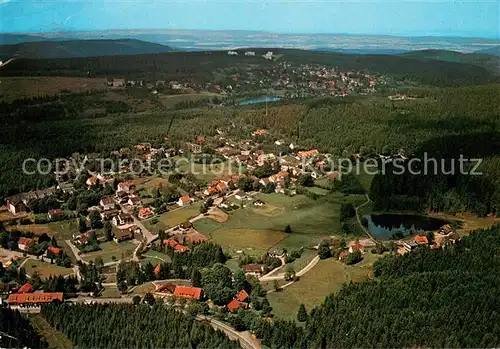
pixel 497 38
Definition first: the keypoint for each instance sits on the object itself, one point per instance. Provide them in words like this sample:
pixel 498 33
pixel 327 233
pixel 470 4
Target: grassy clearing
pixel 110 292
pixel 173 218
pixel 54 338
pixel 111 249
pixel 256 230
pixel 161 257
pixel 45 269
pixel 141 290
pixel 327 277
pixel 469 222
pixel 170 101
pixel 13 88
pixel 306 257
pixel 318 190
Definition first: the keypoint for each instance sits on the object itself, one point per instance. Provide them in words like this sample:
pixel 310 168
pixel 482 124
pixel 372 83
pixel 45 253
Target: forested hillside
pixel 428 298
pixel 199 66
pixel 16 331
pixel 132 326
pixel 79 48
pixel 442 122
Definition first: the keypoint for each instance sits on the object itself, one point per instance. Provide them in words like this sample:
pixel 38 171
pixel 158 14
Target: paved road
pixel 247 341
pixel 301 272
pixel 368 200
pixel 75 251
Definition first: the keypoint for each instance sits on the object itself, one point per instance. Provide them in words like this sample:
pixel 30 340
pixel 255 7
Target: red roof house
pixel 201 139
pixel 421 240
pixel 188 292
pixel 233 305
pixel 26 288
pixel 356 247
pixel 24 243
pixel 241 296
pixel 54 250
pixel 34 298
pixel 157 269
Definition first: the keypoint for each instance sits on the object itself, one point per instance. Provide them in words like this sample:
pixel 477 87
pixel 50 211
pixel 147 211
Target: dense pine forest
pixel 132 326
pixel 428 298
pixel 16 331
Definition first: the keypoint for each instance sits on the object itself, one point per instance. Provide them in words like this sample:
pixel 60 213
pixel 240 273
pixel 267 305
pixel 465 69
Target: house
pixel 26 288
pixel 54 250
pixel 107 203
pixel 107 215
pixel 241 296
pixel 263 158
pixel 145 213
pixel 184 201
pixel 222 187
pixel 253 269
pixel 356 247
pixel 264 181
pixel 168 288
pixel 54 214
pixel 343 255
pixel 301 155
pixel 66 188
pixel 24 243
pixel 249 53
pixel 16 207
pixel 200 139
pixel 186 225
pixel 123 235
pixel 258 203
pixel 421 240
pixel 118 82
pixel 277 253
pixel 122 219
pixel 210 191
pixel 34 299
pixel 134 201
pixel 176 246
pixel 409 245
pixel 232 53
pixel 194 148
pixel 233 305
pixel 240 195
pixel 126 187
pixel 157 269
pixel 188 292
pixel 258 132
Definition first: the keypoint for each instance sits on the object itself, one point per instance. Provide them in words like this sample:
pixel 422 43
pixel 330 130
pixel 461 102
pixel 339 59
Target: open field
pixel 306 257
pixel 173 218
pixel 45 269
pixel 154 257
pixel 170 101
pixel 110 292
pixel 55 339
pixel 6 216
pixel 326 277
pixel 111 249
pixel 35 86
pixel 260 229
pixel 317 190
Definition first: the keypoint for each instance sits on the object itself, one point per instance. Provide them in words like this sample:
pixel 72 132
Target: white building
pixel 249 53
pixel 232 53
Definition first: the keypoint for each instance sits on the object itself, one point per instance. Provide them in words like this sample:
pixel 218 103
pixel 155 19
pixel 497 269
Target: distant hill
pixel 12 39
pixel 368 51
pixel 80 48
pixel 486 61
pixel 490 51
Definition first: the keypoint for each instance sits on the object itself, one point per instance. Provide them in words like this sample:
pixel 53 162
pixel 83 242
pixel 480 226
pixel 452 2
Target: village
pixel 281 78
pixel 119 221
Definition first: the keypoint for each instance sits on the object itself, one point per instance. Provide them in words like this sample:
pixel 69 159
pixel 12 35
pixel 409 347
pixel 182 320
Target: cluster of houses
pixel 27 297
pixel 445 235
pixel 17 205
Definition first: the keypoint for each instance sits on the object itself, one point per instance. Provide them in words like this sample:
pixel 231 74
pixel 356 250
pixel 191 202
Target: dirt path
pixel 368 200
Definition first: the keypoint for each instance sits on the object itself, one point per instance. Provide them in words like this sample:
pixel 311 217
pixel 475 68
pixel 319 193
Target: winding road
pixel 368 200
pixel 301 272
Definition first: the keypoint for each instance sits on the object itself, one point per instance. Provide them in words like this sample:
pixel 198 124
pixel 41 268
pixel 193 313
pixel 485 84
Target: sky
pixel 473 18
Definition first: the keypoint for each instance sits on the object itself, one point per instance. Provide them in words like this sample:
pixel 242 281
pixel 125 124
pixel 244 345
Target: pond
pixel 395 226
pixel 260 100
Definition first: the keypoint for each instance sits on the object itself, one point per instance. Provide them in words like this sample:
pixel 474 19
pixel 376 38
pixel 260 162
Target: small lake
pixel 387 226
pixel 260 100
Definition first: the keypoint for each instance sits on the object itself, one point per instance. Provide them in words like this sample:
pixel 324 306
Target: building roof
pixel 54 250
pixel 185 198
pixel 167 288
pixel 233 305
pixel 188 292
pixel 222 186
pixel 252 268
pixel 123 233
pixel 26 288
pixel 28 298
pixel 357 247
pixel 25 241
pixel 107 200
pixel 145 211
pixel 308 153
pixel 157 269
pixel 56 211
pixel 241 296
pixel 421 239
